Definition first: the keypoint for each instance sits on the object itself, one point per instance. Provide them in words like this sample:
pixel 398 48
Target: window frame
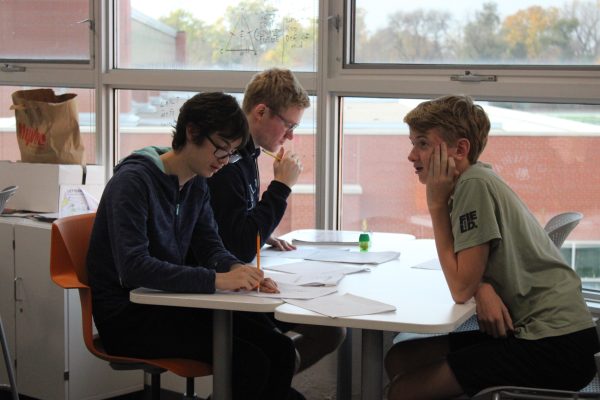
pixel 333 79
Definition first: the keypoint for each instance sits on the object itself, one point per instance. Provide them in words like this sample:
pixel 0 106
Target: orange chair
pixel 69 246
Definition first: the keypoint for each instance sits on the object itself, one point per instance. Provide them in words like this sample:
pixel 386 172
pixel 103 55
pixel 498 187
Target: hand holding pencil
pixel 287 167
pixel 267 285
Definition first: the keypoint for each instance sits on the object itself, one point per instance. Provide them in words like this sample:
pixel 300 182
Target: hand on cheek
pixel 441 177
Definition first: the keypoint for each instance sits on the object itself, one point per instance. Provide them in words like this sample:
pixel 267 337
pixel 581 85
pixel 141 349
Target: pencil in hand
pixel 267 152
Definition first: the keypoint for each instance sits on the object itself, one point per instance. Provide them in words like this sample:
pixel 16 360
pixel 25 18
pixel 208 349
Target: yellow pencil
pixel 267 152
pixel 258 255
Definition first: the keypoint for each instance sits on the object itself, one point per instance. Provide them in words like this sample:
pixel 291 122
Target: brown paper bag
pixel 47 127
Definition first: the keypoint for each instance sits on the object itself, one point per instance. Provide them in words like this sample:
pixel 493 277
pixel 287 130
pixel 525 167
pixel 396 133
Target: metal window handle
pixel 12 68
pixel 87 20
pixel 336 21
pixel 468 76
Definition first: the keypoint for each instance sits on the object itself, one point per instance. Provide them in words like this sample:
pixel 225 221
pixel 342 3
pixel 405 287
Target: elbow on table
pixel 461 296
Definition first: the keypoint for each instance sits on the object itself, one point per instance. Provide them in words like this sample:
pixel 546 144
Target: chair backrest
pixel 68 251
pixel 559 226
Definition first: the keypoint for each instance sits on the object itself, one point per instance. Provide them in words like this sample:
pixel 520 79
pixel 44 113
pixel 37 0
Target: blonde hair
pixel 277 88
pixel 456 116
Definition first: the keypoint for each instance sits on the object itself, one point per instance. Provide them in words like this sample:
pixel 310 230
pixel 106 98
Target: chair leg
pixel 190 393
pixel 8 362
pixel 155 386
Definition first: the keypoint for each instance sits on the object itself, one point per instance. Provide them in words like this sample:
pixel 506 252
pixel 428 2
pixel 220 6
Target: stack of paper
pixel 326 237
pixel 337 305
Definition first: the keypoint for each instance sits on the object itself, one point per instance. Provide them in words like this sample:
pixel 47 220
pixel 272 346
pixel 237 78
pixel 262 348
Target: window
pixel 227 35
pixel 364 62
pixel 45 31
pixel 529 32
pixel 545 152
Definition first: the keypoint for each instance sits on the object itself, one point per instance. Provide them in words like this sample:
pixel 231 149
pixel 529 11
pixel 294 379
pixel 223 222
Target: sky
pixel 377 10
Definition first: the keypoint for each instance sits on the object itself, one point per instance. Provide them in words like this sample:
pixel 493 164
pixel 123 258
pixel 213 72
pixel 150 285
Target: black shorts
pixel 566 362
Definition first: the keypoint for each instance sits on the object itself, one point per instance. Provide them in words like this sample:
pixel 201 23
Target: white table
pixel 223 306
pixel 422 299
pixel 421 296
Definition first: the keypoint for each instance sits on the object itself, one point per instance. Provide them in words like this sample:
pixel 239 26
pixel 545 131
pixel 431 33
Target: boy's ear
pixel 462 148
pixel 188 133
pixel 259 110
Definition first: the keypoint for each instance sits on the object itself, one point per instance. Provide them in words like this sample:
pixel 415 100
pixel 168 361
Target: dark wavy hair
pixel 208 113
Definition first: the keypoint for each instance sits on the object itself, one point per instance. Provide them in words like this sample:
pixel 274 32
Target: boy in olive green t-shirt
pixel 535 328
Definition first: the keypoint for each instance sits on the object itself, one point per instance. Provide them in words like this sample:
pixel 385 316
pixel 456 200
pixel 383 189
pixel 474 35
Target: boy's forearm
pixel 459 285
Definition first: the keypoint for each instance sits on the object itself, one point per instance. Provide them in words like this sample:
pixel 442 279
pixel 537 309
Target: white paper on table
pixel 296 292
pixel 326 237
pixel 316 267
pixel 300 253
pixel 353 257
pixel 346 305
pixel 320 279
pixel 434 263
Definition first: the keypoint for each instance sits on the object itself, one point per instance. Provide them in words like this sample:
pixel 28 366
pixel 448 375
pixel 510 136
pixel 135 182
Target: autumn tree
pixel 538 34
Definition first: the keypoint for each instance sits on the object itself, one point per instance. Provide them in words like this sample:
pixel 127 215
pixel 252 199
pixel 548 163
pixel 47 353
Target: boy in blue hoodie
pixel 154 218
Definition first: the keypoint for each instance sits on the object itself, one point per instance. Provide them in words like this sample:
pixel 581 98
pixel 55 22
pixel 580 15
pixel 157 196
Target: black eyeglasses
pixel 289 126
pixel 222 153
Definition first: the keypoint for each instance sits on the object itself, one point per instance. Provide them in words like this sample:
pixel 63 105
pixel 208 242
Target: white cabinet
pixel 43 324
pixel 7 304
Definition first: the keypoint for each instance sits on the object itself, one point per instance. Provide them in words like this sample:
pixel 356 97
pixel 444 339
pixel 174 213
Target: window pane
pixel 545 152
pixel 147 118
pixel 227 35
pixel 44 30
pixel 9 148
pixel 526 32
pixel 587 262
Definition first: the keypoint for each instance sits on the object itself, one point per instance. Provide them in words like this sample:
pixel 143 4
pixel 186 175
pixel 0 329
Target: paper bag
pixel 47 127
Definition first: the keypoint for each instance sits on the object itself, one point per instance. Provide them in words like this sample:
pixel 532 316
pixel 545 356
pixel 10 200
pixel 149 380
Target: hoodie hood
pixel 149 159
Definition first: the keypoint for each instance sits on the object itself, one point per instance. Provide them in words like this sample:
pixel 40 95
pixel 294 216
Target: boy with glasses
pixel 274 102
pixel 154 228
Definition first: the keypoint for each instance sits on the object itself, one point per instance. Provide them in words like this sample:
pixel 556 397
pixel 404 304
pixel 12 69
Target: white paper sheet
pixel 434 263
pixel 295 292
pixel 334 255
pixel 300 253
pixel 316 267
pixel 320 279
pixel 337 305
pixel 354 257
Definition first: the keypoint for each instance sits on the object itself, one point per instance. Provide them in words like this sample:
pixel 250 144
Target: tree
pixel 199 37
pixel 537 34
pixel 482 38
pixel 419 36
pixel 585 36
